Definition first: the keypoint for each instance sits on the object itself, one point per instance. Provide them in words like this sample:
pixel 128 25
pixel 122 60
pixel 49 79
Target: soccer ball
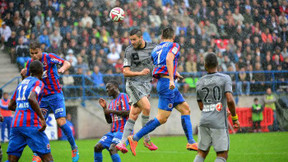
pixel 117 14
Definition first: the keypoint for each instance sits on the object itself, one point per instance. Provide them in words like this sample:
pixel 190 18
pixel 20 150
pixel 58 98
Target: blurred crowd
pixel 246 35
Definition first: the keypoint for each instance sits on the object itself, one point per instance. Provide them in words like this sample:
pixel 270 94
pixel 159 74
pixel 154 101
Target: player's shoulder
pixel 129 48
pixel 224 76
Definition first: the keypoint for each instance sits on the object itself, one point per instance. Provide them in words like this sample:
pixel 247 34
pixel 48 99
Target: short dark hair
pixel 34 45
pixel 211 60
pixel 114 82
pixel 136 31
pixel 255 99
pixel 168 32
pixel 35 67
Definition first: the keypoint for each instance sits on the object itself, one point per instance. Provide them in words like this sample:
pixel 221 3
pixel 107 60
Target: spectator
pixel 257 115
pixel 5 33
pixel 113 56
pixel 68 80
pixel 97 77
pixel 71 58
pixel 22 53
pixel 7 116
pixel 44 38
pixel 86 19
pixel 238 16
pixel 270 102
pixel 243 79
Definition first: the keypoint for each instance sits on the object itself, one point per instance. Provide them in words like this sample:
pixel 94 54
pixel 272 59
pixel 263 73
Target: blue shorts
pixel 22 136
pixel 168 99
pixel 54 102
pixel 110 138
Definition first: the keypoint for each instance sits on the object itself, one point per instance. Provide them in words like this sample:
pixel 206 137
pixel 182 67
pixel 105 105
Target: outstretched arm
pixel 231 106
pixel 128 73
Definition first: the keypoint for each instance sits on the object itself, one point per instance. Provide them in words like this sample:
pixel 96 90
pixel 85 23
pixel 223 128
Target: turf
pixel 258 147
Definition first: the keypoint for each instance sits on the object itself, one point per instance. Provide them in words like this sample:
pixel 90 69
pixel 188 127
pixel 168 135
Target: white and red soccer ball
pixel 117 14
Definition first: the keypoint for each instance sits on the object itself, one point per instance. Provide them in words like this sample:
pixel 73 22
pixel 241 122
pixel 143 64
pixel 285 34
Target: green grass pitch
pixel 258 147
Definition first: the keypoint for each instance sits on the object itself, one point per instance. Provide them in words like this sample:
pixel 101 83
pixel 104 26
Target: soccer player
pixel 28 122
pixel 6 114
pixel 53 99
pixel 116 113
pixel 165 57
pixel 137 69
pixel 214 90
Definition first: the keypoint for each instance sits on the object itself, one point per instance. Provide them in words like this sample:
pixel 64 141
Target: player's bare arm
pixel 170 66
pixel 231 106
pixel 200 104
pixel 35 106
pixel 12 105
pixel 178 75
pixel 66 65
pixel 128 73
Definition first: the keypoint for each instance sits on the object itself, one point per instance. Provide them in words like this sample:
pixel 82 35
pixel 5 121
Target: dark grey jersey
pixel 211 90
pixel 139 59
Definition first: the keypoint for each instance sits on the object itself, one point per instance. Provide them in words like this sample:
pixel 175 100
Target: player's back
pixel 50 75
pixel 139 59
pixel 119 104
pixel 24 114
pixel 211 90
pixel 159 55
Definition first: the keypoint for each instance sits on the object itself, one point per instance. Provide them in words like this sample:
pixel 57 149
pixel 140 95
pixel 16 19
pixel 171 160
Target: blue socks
pixel 149 127
pixel 187 127
pixel 67 131
pixel 115 158
pixel 98 157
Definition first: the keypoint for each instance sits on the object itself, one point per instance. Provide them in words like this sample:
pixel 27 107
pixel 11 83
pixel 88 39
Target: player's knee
pixel 61 121
pixel 162 119
pixel 112 149
pixel 98 148
pixel 185 109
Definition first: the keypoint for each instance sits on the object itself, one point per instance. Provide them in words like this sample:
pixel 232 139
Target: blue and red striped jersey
pixel 50 74
pixel 24 114
pixel 159 55
pixel 120 103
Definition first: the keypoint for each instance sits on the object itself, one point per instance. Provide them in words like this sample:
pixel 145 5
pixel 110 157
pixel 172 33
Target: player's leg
pixel 103 143
pixel 184 109
pixel 98 157
pixel 161 118
pixel 113 152
pixel 220 142
pixel 145 106
pixel 128 128
pixel 47 157
pixel 38 143
pixel 3 126
pixel 201 155
pixel 16 144
pixel 204 143
pixel 57 104
pixel 222 156
pixel 9 125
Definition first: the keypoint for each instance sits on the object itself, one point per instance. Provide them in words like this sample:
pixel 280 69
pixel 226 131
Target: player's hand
pixel 23 72
pixel 103 103
pixel 145 71
pixel 171 85
pixel 1 118
pixel 43 127
pixel 61 70
pixel 178 76
pixel 236 124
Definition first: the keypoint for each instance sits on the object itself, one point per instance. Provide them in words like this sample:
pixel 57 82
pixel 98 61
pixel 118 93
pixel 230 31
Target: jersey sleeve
pixel 174 48
pixel 27 67
pixel 54 59
pixel 125 102
pixel 127 58
pixel 228 84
